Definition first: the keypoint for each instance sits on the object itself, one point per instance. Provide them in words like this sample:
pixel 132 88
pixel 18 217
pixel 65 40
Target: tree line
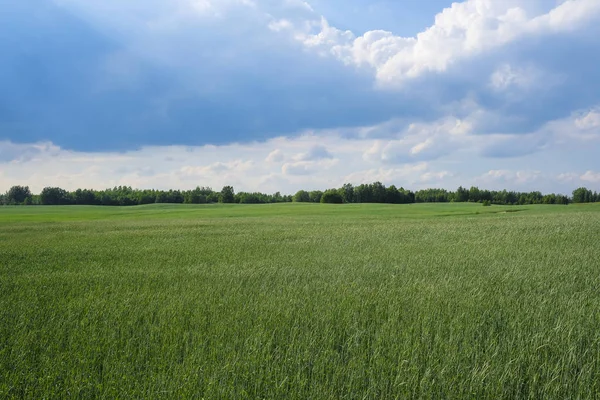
pixel 348 193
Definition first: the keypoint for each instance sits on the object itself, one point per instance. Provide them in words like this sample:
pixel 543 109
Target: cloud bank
pixel 272 95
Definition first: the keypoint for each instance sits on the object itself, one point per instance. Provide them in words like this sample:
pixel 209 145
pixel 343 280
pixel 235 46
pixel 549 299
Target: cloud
pixel 464 30
pixel 306 167
pixel 275 156
pixel 508 77
pixel 422 142
pixel 317 152
pixel 591 176
pixel 589 121
pixel 21 153
pixel 518 177
pixel 271 94
pixel 143 73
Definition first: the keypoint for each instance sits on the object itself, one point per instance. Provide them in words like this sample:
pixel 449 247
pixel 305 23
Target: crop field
pixel 300 301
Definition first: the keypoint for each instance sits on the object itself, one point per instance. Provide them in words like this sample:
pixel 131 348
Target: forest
pixel 348 193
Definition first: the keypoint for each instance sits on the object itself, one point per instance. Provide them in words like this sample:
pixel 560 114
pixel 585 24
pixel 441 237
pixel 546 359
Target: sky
pixel 284 95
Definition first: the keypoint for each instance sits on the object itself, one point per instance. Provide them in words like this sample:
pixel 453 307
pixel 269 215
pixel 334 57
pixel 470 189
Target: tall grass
pixel 286 301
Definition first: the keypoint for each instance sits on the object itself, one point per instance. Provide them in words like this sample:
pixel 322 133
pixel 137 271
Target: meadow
pixel 300 301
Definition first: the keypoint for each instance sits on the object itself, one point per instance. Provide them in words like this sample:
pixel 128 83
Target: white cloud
pixel 461 31
pixel 591 176
pixel 582 125
pixel 507 76
pixel 317 152
pixel 251 167
pixel 280 25
pixel 308 167
pixel 520 178
pixel 567 177
pixel 589 121
pixel 404 175
pixel 275 156
pixel 423 142
pixel 299 4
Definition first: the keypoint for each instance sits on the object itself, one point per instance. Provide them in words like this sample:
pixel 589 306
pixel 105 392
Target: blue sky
pixel 280 95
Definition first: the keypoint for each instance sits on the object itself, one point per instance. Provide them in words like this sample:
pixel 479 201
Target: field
pixel 300 301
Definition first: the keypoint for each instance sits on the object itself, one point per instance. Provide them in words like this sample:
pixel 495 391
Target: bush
pixel 487 203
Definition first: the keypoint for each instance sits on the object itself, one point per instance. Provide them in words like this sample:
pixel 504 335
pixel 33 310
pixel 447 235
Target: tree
pixel 378 192
pixel 332 196
pixel 474 194
pixel 194 197
pixel 315 196
pixel 301 196
pixel 227 195
pixel 84 196
pixel 393 196
pixel 581 195
pixel 18 194
pixel 54 196
pixel 461 195
pixel 348 193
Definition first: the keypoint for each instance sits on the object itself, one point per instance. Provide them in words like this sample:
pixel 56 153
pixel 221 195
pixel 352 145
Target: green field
pixel 300 301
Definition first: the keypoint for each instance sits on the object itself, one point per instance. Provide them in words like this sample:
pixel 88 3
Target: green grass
pixel 300 301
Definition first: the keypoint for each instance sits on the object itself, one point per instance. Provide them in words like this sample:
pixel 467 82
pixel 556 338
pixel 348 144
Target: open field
pixel 300 301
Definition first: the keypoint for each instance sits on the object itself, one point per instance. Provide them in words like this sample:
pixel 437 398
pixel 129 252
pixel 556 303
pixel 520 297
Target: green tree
pixel 227 195
pixel 315 196
pixel 581 195
pixel 54 196
pixel 301 196
pixel 461 195
pixel 332 196
pixel 378 192
pixel 347 192
pixel 474 194
pixel 18 194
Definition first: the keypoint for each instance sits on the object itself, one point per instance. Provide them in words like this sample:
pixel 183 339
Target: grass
pixel 300 301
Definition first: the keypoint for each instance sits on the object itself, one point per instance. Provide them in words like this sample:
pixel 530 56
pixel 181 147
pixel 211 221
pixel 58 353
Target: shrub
pixel 487 203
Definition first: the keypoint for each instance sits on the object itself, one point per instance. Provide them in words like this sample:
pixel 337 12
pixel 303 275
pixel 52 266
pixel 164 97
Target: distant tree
pixel 277 198
pixel 347 192
pixel 432 196
pixel 393 195
pixel 332 196
pixel 581 195
pixel 194 197
pixel 146 197
pixel 315 196
pixel 84 196
pixel 549 199
pixel 227 195
pixel 161 197
pixel 213 197
pixel 53 196
pixel 461 195
pixel 301 196
pixel 363 194
pixel 378 192
pixel 18 194
pixel 474 194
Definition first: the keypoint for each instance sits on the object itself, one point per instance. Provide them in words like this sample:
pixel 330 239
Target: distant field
pixel 300 301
